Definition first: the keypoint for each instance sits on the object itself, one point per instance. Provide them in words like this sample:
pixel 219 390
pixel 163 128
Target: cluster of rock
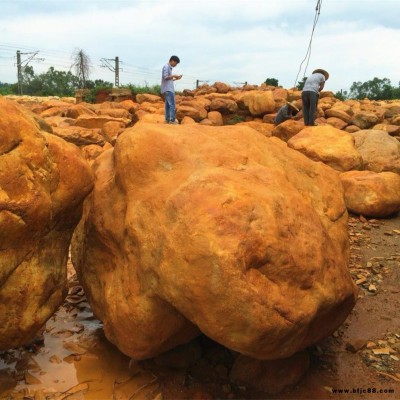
pixel 360 139
pixel 238 232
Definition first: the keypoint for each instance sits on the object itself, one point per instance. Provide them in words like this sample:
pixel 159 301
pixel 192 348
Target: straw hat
pixel 293 105
pixel 321 71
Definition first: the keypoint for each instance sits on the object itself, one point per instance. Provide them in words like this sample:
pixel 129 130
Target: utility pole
pixel 198 83
pixel 19 72
pixel 20 66
pixel 114 68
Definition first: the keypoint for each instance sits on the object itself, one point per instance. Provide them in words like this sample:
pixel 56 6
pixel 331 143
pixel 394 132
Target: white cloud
pixel 235 40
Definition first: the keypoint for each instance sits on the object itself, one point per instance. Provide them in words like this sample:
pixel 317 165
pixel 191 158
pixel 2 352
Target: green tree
pixel 52 83
pixel 375 89
pixel 271 82
pixel 8 88
pixel 342 95
pixel 301 83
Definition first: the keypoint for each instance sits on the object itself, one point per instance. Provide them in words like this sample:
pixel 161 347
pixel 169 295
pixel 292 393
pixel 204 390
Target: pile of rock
pixel 239 232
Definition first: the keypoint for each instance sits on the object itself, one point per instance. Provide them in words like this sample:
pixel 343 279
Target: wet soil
pixel 71 359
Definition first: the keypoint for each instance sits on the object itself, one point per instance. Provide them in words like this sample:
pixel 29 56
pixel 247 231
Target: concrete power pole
pixel 115 68
pixel 20 67
pixel 19 72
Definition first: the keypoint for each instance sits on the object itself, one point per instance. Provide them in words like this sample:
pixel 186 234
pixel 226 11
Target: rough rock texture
pixel 216 229
pixel 43 181
pixel 270 376
pixel 329 145
pixel 379 151
pixel 287 129
pixel 80 136
pixel 372 194
pixel 260 103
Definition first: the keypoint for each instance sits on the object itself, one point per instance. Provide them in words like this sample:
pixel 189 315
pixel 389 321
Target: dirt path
pixel 73 360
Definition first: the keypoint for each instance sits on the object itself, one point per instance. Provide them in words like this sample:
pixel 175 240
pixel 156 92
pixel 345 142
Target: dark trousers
pixel 310 101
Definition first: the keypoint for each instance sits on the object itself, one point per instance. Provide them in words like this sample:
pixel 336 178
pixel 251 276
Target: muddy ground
pixel 73 360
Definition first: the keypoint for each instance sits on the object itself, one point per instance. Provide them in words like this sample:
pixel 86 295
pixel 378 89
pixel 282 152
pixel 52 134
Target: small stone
pixel 381 351
pixel 388 233
pixel 396 231
pixel 361 280
pixel 394 358
pixel 372 288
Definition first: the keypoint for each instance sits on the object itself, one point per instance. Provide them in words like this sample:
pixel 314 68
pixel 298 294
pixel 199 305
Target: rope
pixel 308 54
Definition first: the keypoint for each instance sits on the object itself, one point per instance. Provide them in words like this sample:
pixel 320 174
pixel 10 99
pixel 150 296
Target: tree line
pixel 64 84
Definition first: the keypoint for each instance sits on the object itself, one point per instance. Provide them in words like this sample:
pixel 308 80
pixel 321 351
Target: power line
pixel 308 54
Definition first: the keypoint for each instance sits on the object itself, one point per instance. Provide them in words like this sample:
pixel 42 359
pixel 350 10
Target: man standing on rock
pixel 310 95
pixel 168 90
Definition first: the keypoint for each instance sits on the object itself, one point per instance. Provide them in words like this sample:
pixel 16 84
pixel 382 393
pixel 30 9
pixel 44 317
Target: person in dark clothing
pixel 288 111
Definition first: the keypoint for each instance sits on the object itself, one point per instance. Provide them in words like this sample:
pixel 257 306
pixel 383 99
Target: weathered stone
pixel 114 112
pixel 224 106
pixel 43 181
pixel 60 122
pixel 148 98
pixel 179 211
pixel 187 120
pixel 93 122
pixel 338 112
pixel 379 151
pixel 111 130
pixel 364 119
pixel 79 136
pixel 287 129
pixel 371 194
pixel 336 122
pixel 195 113
pixel 216 118
pixel 259 103
pixel 222 87
pixel 329 145
pixel 77 110
pixel 392 130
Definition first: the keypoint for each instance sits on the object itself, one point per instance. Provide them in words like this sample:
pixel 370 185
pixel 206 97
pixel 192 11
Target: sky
pixel 231 41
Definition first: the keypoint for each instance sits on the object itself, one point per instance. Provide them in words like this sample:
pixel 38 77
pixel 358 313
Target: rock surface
pixel 329 145
pixel 372 194
pixel 214 229
pixel 43 181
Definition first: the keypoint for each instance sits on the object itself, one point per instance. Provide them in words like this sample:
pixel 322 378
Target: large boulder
pixel 213 229
pixel 329 145
pixel 379 151
pixel 43 181
pixel 259 102
pixel 371 193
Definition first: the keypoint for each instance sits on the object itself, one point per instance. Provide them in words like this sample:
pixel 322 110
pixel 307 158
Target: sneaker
pixel 176 122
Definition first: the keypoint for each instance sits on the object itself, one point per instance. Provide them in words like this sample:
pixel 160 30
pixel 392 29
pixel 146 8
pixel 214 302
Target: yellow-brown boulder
pixel 43 182
pixel 217 230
